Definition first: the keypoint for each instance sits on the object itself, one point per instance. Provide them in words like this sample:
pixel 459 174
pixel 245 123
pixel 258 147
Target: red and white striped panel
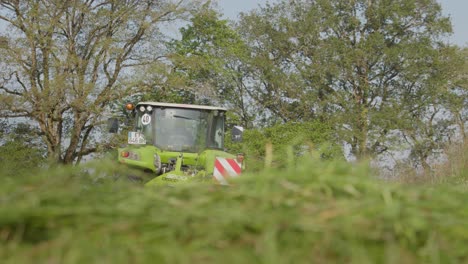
pixel 225 168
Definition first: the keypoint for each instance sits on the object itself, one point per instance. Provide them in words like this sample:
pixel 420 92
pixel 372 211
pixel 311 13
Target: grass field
pixel 319 212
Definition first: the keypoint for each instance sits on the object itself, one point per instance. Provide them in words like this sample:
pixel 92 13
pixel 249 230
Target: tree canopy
pixel 67 60
pixel 352 63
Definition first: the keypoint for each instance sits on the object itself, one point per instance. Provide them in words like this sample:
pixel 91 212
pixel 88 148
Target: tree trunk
pixel 426 167
pixel 461 125
pixel 363 130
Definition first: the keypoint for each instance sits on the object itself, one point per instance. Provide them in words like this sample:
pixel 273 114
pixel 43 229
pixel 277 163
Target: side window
pixel 217 132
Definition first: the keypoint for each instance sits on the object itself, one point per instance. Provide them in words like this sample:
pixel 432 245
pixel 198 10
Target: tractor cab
pixel 178 127
pixel 176 141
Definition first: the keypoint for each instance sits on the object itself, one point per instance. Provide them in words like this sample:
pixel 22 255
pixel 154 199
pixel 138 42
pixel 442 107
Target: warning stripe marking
pixel 235 166
pixel 219 177
pixel 229 170
pixel 225 168
pixel 220 167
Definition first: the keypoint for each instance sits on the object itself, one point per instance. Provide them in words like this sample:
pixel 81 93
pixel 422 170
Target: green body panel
pixel 188 167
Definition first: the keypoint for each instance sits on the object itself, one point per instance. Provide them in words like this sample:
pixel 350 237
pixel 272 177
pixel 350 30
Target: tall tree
pixel 433 115
pixel 457 98
pixel 65 62
pixel 350 63
pixel 209 57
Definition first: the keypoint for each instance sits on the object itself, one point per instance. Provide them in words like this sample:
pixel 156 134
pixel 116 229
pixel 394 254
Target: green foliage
pixel 318 212
pixel 65 73
pixel 359 65
pixel 208 57
pixel 18 157
pixel 20 151
pixel 181 96
pixel 289 139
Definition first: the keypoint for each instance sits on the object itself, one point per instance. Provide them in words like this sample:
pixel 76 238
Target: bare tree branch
pixel 68 57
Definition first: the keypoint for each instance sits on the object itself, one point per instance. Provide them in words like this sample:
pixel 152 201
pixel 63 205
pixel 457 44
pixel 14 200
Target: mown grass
pixel 318 212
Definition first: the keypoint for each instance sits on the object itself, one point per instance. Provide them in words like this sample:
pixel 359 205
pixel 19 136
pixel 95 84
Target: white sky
pixel 456 9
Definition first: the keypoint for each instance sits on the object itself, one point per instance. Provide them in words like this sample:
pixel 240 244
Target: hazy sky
pixel 456 9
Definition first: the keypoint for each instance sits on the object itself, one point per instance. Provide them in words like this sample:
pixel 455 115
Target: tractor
pixel 180 143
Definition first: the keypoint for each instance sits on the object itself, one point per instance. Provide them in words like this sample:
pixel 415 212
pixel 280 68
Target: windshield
pixel 179 129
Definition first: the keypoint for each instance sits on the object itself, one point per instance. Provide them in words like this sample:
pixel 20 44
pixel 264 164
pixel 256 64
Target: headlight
pixel 149 108
pixel 130 155
pixel 142 108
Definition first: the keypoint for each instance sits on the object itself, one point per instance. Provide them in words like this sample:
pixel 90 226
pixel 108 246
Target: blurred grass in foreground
pixel 319 212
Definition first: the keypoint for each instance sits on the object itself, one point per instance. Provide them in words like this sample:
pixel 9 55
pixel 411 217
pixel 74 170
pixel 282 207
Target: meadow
pixel 316 212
